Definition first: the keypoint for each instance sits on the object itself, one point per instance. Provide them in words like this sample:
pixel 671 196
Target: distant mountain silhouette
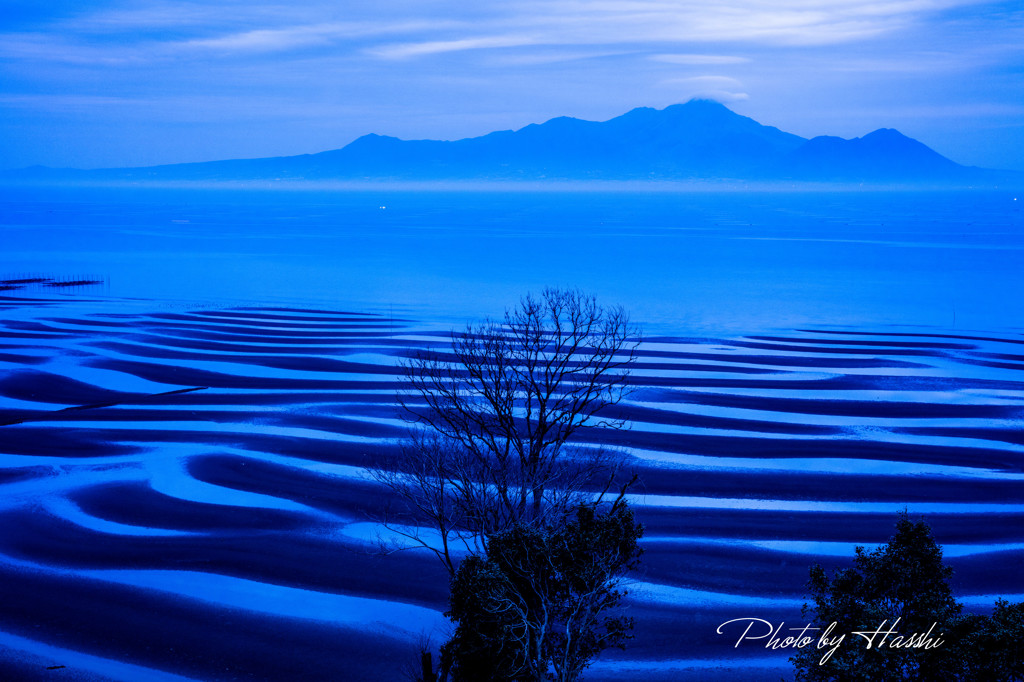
pixel 697 140
pixel 884 154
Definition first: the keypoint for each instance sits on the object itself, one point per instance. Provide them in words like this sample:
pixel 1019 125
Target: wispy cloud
pixel 717 82
pixel 799 22
pixel 162 28
pixel 719 88
pixel 266 40
pixel 81 49
pixel 432 47
pixel 574 23
pixel 553 55
pixel 698 59
pixel 293 37
pixel 723 96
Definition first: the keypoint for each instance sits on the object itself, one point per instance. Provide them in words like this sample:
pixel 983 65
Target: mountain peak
pixel 704 103
pixel 883 154
pixel 886 134
pixel 693 106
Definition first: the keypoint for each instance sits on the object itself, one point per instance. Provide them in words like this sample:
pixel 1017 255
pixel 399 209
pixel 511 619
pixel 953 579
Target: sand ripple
pixel 184 492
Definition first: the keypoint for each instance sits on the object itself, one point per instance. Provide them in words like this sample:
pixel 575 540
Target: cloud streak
pixel 576 23
pixel 258 27
pixel 698 59
pixel 719 88
pixel 299 37
pixel 433 47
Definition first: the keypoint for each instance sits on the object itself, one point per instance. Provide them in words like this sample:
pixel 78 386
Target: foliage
pixel 536 606
pixel 906 579
pixel 992 647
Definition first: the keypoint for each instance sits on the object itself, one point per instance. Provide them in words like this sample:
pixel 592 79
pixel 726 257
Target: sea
pixel 195 382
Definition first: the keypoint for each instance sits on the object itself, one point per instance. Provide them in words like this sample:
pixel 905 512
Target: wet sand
pixel 185 492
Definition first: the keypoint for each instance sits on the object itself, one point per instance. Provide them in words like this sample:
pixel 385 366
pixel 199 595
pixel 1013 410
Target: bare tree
pixel 493 420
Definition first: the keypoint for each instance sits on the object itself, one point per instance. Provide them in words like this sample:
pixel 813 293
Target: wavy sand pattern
pixel 183 492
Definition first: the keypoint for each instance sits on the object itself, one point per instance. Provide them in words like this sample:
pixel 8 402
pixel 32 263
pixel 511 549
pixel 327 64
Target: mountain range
pixel 698 140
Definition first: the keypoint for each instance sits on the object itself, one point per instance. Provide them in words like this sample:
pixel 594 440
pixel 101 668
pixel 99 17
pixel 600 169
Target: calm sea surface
pixel 728 261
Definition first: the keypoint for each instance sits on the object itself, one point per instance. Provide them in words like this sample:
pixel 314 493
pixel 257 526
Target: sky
pixel 110 83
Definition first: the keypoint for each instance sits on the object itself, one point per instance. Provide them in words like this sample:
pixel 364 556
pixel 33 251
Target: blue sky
pixel 118 83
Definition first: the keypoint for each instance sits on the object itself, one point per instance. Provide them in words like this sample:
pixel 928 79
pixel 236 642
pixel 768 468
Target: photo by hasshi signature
pixel 885 636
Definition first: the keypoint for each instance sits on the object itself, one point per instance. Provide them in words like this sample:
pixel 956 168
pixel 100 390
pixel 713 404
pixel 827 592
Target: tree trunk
pixel 427 667
pixel 538 501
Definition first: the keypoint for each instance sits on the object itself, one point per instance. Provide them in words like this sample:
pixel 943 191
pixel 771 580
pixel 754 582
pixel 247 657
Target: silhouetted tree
pixel 904 585
pixel 494 419
pixel 991 648
pixel 540 604
pixel 491 470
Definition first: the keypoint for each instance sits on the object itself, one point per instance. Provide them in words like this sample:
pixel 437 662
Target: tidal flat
pixel 187 423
